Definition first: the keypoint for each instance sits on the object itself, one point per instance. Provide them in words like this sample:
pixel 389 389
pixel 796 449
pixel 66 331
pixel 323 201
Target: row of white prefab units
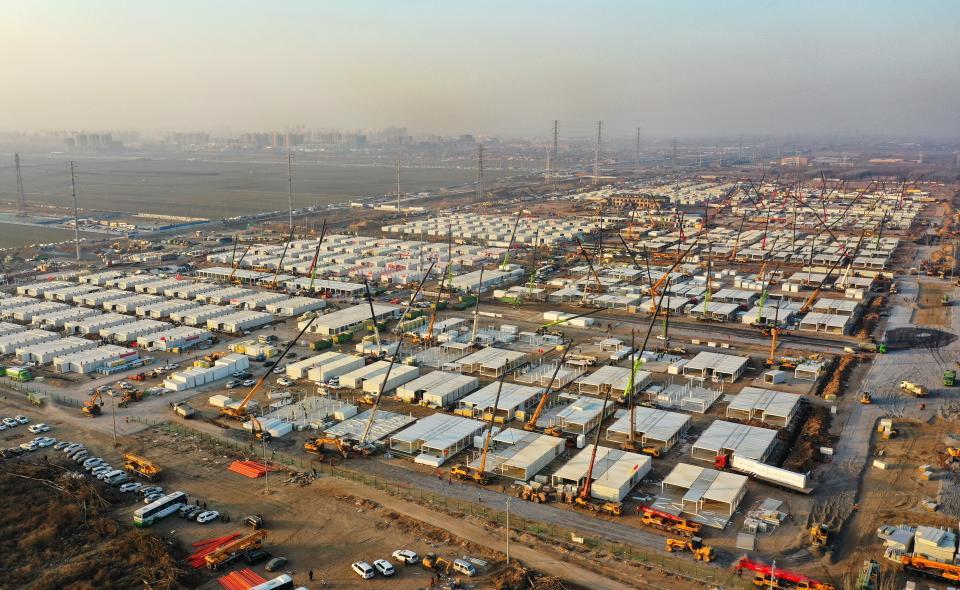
pixel 199 376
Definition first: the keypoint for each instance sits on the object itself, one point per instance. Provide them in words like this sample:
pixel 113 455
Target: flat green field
pixel 216 187
pixel 12 235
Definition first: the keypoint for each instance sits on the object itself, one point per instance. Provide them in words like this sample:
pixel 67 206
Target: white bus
pixel 283 582
pixel 158 509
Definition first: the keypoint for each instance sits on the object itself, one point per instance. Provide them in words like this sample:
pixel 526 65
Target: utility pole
pixel 556 136
pixel 508 527
pixel 398 185
pixel 480 173
pixel 21 200
pixel 76 209
pixel 596 154
pixel 290 186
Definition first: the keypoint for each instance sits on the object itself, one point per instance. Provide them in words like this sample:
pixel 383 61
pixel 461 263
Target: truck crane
pixel 240 412
pixel 655 289
pixel 286 246
pixel 478 474
pixel 670 523
pixel 770 576
pixel 316 255
pixel 920 564
pixel 93 406
pixel 230 278
pixel 583 498
pixel 141 466
pixel 531 424
pixel 631 443
pixel 225 554
pixel 593 272
pixel 513 237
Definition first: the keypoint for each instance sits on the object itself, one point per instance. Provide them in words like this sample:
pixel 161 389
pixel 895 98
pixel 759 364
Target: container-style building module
pixel 295 306
pixel 613 379
pixel 333 364
pixel 11 342
pixel 57 319
pixel 239 322
pixel 652 427
pixel 346 320
pixel 129 332
pixel 436 438
pixel 438 389
pixel 520 455
pixel 615 472
pixel 26 313
pixel 181 338
pixel 582 415
pixel 710 496
pixel 38 289
pixel 732 439
pixel 8 328
pixel 489 362
pixel 716 366
pixel 399 375
pixel 515 401
pixel 776 408
pixel 45 352
pixel 299 369
pixel 88 361
pixel 198 316
pixel 94 324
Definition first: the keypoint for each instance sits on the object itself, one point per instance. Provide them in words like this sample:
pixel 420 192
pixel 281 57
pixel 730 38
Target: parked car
pixel 256 556
pixel 284 382
pixel 384 567
pixel 152 498
pixel 233 383
pixel 29 446
pixel 119 480
pixel 464 567
pixel 46 441
pixel 92 462
pixel 278 369
pixel 21 419
pixel 96 471
pixel 207 516
pixel 249 383
pixel 38 428
pixel 131 486
pixel 72 447
pixel 275 564
pixel 406 556
pixel 363 569
pixel 80 457
pixel 10 423
pixel 193 512
pixel 60 445
pixel 149 490
pixel 2 426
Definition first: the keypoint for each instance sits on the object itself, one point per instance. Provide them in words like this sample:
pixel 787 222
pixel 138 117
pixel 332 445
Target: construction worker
pixel 310 575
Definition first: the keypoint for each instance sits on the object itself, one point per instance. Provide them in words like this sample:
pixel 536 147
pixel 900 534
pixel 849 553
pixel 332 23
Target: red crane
pixel 766 572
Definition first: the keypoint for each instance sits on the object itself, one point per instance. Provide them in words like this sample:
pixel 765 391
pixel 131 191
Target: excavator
pixel 141 466
pixel 670 523
pixel 478 474
pixel 434 562
pixel 228 552
pixel 695 546
pixel 240 411
pixel 819 534
pixel 866 398
pixel 130 395
pixel 93 406
pixel 317 446
pixel 768 576
pixel 583 498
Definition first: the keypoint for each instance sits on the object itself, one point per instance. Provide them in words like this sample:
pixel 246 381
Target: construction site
pixel 731 381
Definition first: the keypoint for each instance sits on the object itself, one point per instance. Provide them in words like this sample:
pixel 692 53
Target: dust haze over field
pixel 182 185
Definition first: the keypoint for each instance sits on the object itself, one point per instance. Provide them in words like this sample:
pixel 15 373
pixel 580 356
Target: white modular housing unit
pixel 45 352
pixel 520 455
pixel 94 324
pixel 8 328
pixel 776 408
pixel 11 342
pixel 26 313
pixel 259 300
pixel 438 389
pixel 88 361
pixel 399 375
pixel 239 322
pixel 100 278
pixel 334 367
pixel 652 427
pixel 156 287
pixel 10 303
pixel 163 309
pixel 70 294
pixel 225 295
pixel 354 379
pixel 515 401
pixel 189 290
pixel 38 289
pixel 123 333
pixel 295 306
pixel 181 337
pixel 732 439
pixel 345 320
pixel 437 437
pixel 615 472
pixel 199 376
pixel 58 319
pixel 299 369
pixel 98 298
pixel 130 303
pixel 198 316
pixel 701 491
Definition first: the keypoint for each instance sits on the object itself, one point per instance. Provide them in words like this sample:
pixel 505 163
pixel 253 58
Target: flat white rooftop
pixel 740 439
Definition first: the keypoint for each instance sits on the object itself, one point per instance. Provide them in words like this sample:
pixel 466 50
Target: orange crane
pixel 228 552
pixel 655 289
pixel 478 474
pixel 273 283
pixel 240 412
pixel 946 571
pixel 671 523
pixel 583 498
pixel 596 277
pixel 142 466
pixel 770 576
pixel 531 424
pixel 237 265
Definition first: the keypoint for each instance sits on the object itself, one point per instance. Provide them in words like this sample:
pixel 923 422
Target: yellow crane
pixel 655 289
pixel 478 474
pixel 531 424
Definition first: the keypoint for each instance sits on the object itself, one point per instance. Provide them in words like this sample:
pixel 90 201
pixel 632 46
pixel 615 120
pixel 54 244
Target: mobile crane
pixel 531 424
pixel 240 412
pixel 917 563
pixel 478 474
pixel 655 289
pixel 316 255
pixel 317 445
pixel 583 498
pixel 141 466
pixel 670 523
pixel 230 278
pixel 286 246
pixel 631 443
pixel 768 576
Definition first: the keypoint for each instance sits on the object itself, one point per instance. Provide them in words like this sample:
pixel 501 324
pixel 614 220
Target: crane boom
pixel 493 420
pixel 654 291
pixel 531 424
pixel 588 484
pixel 239 262
pixel 513 236
pixel 373 317
pixel 283 255
pixel 316 254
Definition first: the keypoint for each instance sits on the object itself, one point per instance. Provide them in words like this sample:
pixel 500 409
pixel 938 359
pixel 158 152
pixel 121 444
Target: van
pixel 464 567
pixel 109 474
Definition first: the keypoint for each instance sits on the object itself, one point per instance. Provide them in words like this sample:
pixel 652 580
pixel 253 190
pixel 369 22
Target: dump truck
pixel 184 410
pixel 913 388
pixel 695 546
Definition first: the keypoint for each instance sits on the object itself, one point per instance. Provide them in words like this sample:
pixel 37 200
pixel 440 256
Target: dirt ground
pixel 930 311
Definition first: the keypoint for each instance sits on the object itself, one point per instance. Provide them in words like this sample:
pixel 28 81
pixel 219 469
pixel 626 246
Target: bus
pixel 283 582
pixel 158 509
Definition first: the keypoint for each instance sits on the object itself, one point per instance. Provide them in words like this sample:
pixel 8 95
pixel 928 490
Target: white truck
pixel 911 387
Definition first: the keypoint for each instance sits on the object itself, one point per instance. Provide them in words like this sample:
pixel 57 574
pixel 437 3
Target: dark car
pixel 256 556
pixel 275 564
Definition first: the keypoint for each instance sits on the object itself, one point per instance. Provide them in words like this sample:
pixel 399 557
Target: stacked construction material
pixel 937 544
pixel 249 468
pixel 196 559
pixel 241 580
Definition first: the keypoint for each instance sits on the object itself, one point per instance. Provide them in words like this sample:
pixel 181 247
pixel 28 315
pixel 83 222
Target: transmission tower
pixel 480 173
pixel 76 209
pixel 21 200
pixel 596 154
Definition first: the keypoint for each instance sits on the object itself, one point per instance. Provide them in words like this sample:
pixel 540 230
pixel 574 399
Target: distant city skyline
pixel 696 68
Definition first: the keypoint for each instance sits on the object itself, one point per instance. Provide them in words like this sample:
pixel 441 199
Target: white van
pixel 464 567
pixel 109 474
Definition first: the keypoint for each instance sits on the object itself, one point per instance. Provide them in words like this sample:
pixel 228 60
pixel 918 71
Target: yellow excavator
pixel 819 534
pixel 695 546
pixel 433 562
pixel 478 474
pixel 317 446
pixel 866 398
pixel 93 406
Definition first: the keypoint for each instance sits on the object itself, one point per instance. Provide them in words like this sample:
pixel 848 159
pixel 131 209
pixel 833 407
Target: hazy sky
pixel 671 66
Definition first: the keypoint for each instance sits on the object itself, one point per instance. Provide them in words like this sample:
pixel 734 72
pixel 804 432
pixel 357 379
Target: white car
pixel 92 462
pixel 21 419
pixel 363 569
pixel 10 422
pixel 248 383
pixel 152 497
pixel 38 428
pixel 279 370
pixel 384 567
pixel 101 469
pixel 406 556
pixel 2 426
pixel 284 382
pixel 71 448
pixel 207 516
pixel 45 441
